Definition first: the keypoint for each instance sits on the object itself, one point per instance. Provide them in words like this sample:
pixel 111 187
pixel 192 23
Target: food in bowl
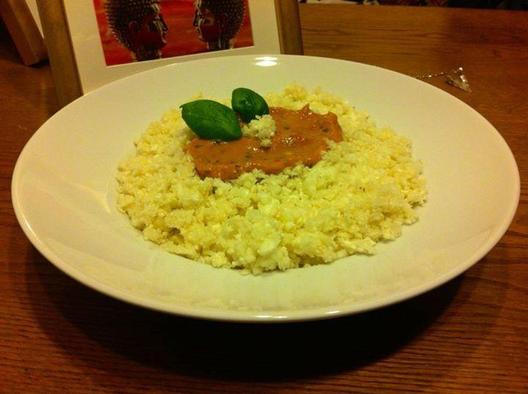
pixel 356 188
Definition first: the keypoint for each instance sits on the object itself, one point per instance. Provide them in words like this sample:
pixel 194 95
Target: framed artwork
pixel 93 42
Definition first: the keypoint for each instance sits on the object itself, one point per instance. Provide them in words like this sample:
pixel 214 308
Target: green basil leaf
pixel 211 120
pixel 248 104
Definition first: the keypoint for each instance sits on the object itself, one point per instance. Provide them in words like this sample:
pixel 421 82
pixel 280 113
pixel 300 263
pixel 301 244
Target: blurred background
pixel 500 4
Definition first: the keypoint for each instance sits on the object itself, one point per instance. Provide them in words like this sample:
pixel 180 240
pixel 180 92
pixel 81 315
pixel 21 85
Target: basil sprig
pixel 211 120
pixel 248 104
pixel 214 121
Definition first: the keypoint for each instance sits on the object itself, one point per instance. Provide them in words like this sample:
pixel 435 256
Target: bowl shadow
pixel 220 350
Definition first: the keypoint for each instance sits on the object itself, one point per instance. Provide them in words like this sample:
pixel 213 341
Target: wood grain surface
pixel 23 30
pixel 289 26
pixel 468 336
pixel 62 60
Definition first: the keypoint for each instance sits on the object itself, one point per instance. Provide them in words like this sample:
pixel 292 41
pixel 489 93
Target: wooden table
pixel 470 335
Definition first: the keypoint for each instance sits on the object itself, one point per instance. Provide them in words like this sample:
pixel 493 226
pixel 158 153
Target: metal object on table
pixel 454 77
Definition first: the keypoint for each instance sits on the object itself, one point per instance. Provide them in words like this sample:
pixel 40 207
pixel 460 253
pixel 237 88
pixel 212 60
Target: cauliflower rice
pixel 363 191
pixel 263 128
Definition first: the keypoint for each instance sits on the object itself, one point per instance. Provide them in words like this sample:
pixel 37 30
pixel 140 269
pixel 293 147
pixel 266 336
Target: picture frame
pixel 24 30
pixel 80 62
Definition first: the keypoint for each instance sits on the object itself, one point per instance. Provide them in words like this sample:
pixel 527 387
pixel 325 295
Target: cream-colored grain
pixel 363 191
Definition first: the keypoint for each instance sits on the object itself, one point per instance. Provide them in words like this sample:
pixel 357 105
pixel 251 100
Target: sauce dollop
pixel 300 138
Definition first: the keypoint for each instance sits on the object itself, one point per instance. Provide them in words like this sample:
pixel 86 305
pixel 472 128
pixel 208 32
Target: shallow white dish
pixel 64 193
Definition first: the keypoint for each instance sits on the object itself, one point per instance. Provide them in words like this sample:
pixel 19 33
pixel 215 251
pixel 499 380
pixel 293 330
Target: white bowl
pixel 64 193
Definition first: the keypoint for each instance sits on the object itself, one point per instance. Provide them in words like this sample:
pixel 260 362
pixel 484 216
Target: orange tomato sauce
pixel 300 138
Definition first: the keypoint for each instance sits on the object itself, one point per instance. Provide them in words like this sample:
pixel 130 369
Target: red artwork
pixel 137 30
